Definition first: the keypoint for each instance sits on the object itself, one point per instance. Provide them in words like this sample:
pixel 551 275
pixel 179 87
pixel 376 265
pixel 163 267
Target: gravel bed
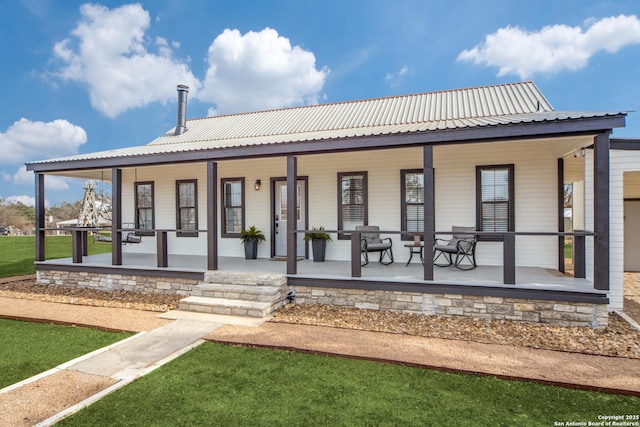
pixel 29 289
pixel 619 339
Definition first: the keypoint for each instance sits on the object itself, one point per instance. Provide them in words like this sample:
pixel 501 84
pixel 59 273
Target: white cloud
pixel 52 182
pixel 108 52
pixel 24 199
pixel 395 79
pixel 23 177
pixel 554 48
pixel 27 140
pixel 259 70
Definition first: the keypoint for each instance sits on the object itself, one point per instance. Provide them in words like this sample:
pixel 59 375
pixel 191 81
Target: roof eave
pixel 528 130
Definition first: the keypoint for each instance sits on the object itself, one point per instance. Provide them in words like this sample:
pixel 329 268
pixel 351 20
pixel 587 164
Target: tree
pixel 66 210
pixel 16 215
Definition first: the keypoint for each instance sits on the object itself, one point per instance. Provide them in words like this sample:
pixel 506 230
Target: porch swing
pixel 129 238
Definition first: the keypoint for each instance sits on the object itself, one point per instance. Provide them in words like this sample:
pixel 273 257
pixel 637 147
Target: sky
pixel 83 77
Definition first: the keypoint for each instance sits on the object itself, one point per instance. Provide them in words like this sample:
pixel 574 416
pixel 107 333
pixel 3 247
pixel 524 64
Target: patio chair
pixel 370 241
pixel 462 245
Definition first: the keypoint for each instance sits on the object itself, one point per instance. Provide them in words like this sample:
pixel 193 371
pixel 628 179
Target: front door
pixel 280 217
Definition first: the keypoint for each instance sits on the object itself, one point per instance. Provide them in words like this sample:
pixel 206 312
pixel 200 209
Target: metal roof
pixel 506 104
pixel 442 110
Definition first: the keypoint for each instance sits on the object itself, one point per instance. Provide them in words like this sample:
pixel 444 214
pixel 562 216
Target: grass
pixel 30 348
pixel 18 253
pixel 216 384
pixel 568 250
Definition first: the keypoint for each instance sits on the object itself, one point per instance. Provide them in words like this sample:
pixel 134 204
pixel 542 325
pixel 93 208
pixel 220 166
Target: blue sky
pixel 83 77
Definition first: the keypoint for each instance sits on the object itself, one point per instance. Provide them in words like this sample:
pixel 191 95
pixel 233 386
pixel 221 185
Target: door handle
pixel 277 224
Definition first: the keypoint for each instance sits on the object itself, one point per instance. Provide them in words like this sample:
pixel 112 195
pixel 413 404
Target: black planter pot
pixel 251 249
pixel 319 247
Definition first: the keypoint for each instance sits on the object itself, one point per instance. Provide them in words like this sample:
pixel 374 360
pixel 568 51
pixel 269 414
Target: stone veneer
pixel 112 282
pixel 494 308
pixel 486 307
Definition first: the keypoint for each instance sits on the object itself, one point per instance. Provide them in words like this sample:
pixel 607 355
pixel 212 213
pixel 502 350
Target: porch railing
pixel 79 239
pixel 508 240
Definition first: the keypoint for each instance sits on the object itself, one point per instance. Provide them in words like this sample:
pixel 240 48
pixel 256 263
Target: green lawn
pixel 568 250
pixel 30 348
pixel 223 385
pixel 17 253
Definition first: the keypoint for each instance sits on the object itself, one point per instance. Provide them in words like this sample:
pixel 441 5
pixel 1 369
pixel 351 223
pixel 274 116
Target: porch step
pixel 242 292
pixel 226 306
pixel 237 294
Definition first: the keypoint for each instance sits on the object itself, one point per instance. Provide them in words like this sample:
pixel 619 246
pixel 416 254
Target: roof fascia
pixel 624 144
pixel 470 135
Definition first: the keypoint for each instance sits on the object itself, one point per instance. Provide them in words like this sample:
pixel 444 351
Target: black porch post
pixel 116 216
pixel 40 217
pixel 561 214
pixel 601 212
pixel 212 218
pixel 292 241
pixel 429 211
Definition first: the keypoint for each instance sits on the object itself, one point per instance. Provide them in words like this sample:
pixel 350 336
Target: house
pixel 495 158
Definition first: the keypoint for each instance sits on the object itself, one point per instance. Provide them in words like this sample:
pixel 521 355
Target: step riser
pixel 230 278
pixel 247 296
pixel 230 311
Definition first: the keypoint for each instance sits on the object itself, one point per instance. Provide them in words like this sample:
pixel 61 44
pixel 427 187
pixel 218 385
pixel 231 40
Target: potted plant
pixel 319 240
pixel 250 238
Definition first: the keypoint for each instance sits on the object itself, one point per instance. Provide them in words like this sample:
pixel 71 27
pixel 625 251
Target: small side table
pixel 413 249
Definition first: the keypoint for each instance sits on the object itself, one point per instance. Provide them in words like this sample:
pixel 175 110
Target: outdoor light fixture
pixel 580 153
pixel 257 185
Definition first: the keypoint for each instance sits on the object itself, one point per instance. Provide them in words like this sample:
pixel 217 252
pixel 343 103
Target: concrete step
pixel 232 307
pixel 233 278
pixel 240 292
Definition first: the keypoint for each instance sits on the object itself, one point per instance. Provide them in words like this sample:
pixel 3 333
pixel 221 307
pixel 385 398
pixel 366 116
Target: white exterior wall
pixel 535 176
pixel 535 164
pixel 622 161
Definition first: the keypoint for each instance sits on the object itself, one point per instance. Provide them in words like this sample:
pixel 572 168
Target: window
pixel 412 191
pixel 232 207
pixel 352 201
pixel 187 207
pixel 494 199
pixel 144 208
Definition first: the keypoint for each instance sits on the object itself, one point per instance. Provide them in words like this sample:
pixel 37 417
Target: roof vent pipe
pixel 181 127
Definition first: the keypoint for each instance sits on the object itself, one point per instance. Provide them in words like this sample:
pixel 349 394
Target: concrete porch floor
pixel 526 277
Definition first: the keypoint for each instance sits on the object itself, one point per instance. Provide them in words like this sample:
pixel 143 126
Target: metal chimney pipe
pixel 181 127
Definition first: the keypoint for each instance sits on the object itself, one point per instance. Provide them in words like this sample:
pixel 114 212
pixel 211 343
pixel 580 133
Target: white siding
pixel 535 164
pixel 623 184
pixel 535 176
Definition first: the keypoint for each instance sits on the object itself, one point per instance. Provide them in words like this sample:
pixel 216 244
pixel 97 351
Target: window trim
pixel 511 202
pixel 223 216
pixel 365 183
pixel 178 207
pixel 403 203
pixel 153 208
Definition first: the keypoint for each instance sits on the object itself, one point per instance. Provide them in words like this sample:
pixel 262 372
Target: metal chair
pixel 462 245
pixel 370 241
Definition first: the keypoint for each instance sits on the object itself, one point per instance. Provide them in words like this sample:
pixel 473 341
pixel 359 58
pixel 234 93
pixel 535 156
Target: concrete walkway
pixel 101 372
